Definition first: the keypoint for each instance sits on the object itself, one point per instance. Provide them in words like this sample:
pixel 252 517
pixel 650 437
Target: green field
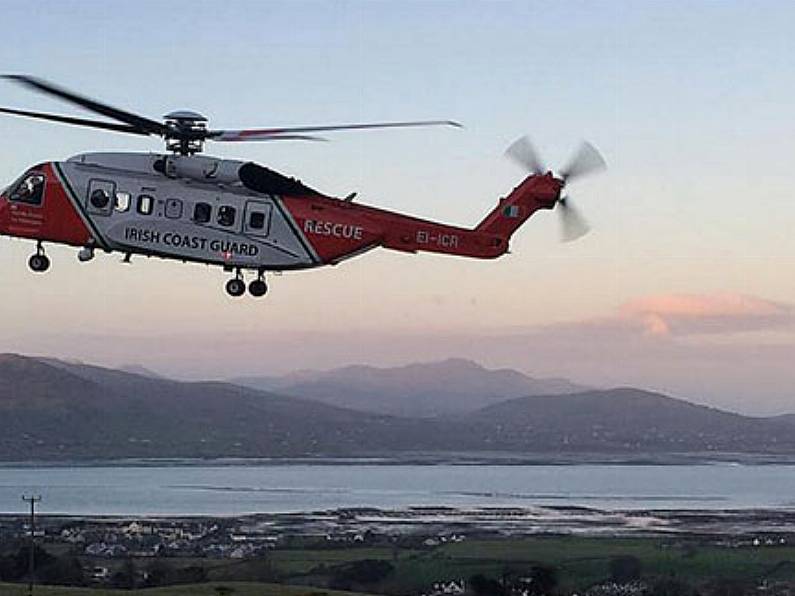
pixel 579 562
pixel 239 589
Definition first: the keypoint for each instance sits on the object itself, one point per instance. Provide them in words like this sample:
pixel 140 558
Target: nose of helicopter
pixel 3 211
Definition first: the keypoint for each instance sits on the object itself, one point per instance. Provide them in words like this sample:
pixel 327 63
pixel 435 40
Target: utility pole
pixel 32 499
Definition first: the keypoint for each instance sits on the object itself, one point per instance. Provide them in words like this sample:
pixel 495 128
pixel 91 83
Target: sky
pixel 685 285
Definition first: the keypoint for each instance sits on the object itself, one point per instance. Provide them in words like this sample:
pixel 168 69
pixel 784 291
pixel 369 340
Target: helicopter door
pixel 100 197
pixel 257 221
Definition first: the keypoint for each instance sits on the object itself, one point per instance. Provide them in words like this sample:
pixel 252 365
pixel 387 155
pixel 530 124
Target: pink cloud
pixel 669 314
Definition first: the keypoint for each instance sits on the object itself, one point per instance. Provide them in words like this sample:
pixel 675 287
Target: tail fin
pixel 534 193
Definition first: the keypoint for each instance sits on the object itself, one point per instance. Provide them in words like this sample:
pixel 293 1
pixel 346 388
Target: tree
pixel 21 561
pixel 15 567
pixel 625 569
pixel 731 587
pixel 480 585
pixel 125 577
pixel 159 574
pixel 366 571
pixel 63 571
pixel 670 587
pixel 194 574
pixel 544 579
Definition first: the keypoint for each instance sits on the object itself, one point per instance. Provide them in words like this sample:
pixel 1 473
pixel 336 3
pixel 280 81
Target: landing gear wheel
pixel 258 288
pixel 39 263
pixel 236 287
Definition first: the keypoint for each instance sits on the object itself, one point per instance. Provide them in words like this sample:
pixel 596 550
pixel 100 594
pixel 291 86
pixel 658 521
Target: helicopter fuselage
pixel 232 213
pixel 236 214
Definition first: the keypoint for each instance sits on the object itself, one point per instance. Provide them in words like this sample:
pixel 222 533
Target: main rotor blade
pixel 144 124
pixel 76 121
pixel 523 153
pixel 229 136
pixel 586 161
pixel 259 134
pixel 572 224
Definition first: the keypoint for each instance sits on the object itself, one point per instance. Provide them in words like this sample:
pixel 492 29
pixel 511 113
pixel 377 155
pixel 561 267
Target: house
pixel 447 588
pixel 430 542
pixel 138 529
pixel 101 549
pixel 99 574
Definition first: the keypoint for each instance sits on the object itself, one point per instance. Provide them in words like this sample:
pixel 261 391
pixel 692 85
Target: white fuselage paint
pixel 274 242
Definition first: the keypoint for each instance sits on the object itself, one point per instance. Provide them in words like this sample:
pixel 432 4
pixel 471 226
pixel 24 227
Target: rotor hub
pixel 186 132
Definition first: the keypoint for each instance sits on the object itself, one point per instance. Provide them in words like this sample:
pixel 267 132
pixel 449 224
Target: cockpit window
pixel 30 190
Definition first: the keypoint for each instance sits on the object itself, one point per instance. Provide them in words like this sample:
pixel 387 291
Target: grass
pixel 580 562
pixel 303 561
pixel 584 561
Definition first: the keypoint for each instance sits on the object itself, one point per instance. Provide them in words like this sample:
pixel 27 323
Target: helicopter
pixel 245 217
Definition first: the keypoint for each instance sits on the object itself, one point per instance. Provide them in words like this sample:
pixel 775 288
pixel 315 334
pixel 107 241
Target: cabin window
pixel 122 202
pixel 100 196
pixel 256 221
pixel 226 215
pixel 202 213
pixel 173 208
pixel 145 204
pixel 30 190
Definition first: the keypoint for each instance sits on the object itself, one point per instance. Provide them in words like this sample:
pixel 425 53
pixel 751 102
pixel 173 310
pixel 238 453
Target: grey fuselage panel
pixel 151 213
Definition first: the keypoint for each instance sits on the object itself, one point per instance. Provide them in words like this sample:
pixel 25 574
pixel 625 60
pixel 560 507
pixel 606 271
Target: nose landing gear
pixel 39 262
pixel 86 254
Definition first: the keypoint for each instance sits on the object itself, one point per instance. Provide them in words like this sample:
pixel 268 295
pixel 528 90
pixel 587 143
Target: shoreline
pixel 496 521
pixel 427 459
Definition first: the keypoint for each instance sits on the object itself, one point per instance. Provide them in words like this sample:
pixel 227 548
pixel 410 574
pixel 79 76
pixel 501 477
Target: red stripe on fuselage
pixel 337 229
pixel 55 220
pixel 333 228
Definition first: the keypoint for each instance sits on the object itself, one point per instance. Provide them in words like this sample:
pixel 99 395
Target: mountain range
pixel 424 390
pixel 51 409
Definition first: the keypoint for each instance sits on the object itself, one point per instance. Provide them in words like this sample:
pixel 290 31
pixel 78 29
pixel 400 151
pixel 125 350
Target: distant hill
pixel 626 419
pixel 786 418
pixel 137 369
pixel 426 390
pixel 72 410
pixel 58 410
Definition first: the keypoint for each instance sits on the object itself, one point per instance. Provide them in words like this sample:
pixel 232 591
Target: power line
pixel 32 499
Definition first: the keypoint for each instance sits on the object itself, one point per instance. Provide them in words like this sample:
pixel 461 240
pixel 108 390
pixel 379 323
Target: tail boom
pixel 491 236
pixel 417 235
pixel 337 230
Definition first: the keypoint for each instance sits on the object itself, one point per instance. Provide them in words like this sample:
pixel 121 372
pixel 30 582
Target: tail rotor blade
pixel 587 160
pixel 572 223
pixel 523 153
